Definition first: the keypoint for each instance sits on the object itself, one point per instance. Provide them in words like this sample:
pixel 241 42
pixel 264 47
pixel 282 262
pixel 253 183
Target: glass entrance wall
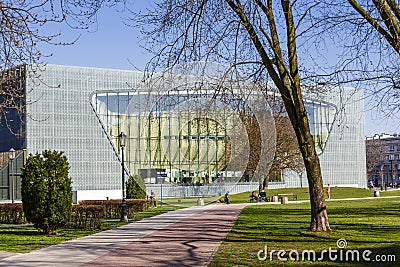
pixel 11 173
pixel 181 136
pixel 321 117
pixel 13 115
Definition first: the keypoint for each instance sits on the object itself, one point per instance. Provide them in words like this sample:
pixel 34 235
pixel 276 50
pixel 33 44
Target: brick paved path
pixel 188 237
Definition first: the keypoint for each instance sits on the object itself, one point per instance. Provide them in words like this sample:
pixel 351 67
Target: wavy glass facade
pixel 181 135
pixel 169 136
pixel 321 117
pixel 160 142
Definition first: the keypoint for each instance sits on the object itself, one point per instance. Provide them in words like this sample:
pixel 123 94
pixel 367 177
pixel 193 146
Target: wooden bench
pixel 293 196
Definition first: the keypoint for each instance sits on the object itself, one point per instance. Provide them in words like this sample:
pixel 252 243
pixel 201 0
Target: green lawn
pixel 187 202
pixel 390 193
pixel 23 239
pixel 302 193
pixel 365 225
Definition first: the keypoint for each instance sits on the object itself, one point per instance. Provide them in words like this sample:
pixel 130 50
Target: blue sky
pixel 112 44
pixel 107 44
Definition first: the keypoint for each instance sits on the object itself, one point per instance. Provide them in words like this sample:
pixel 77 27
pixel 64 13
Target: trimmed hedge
pixel 86 216
pixel 112 207
pixel 12 213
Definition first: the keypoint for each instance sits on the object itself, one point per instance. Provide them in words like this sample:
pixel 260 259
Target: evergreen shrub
pixel 46 190
pixel 135 188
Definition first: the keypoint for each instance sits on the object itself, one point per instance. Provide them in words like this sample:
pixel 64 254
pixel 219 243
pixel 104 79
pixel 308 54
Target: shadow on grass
pixel 28 230
pixel 23 233
pixel 370 225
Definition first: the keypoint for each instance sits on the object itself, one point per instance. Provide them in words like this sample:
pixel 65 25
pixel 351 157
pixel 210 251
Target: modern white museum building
pixel 185 134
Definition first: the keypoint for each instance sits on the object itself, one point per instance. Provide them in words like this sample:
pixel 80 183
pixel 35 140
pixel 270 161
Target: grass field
pixel 188 202
pixel 303 194
pixel 23 238
pixel 365 224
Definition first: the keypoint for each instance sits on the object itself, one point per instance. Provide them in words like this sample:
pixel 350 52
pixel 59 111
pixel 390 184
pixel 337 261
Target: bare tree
pixel 253 131
pixel 261 34
pixel 26 26
pixel 365 35
pixel 287 155
pixel 383 16
pixel 287 152
pixel 374 151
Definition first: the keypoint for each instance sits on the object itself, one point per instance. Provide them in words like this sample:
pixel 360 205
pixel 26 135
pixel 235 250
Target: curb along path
pixel 187 237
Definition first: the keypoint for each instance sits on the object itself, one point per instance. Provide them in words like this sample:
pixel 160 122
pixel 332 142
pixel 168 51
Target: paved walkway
pixel 187 237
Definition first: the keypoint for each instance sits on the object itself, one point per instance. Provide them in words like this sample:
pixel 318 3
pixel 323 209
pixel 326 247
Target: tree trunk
pixel 298 116
pixel 287 80
pixel 319 216
pixel 265 183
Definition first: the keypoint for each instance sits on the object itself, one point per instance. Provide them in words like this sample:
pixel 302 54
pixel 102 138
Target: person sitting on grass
pixel 254 196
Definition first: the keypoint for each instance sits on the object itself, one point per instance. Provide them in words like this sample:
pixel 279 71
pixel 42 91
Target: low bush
pixel 12 213
pixel 112 207
pixel 86 217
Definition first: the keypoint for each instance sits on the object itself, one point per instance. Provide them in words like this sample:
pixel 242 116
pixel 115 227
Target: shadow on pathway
pixel 187 237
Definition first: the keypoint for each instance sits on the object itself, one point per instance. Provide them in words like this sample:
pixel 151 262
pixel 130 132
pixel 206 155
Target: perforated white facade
pixel 71 109
pixel 61 118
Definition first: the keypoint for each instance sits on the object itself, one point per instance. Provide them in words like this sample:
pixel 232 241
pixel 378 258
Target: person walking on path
pixel 153 198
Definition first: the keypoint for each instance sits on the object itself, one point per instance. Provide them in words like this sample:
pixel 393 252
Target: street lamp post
pixel 391 158
pixel 12 157
pixel 391 172
pixel 382 173
pixel 122 140
pixel 387 179
pixel 301 179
